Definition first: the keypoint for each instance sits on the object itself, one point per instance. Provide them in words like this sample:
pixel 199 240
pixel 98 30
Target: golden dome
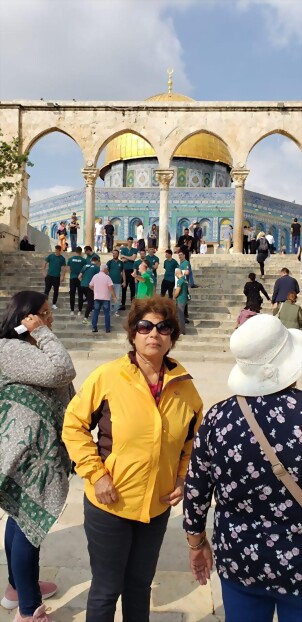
pixel 201 146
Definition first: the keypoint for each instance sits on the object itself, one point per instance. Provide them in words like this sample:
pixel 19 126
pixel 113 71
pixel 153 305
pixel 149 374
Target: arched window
pixel 54 229
pixel 182 224
pixel 206 226
pixel 116 222
pixel 133 227
pixel 259 227
pixel 45 230
pixel 224 223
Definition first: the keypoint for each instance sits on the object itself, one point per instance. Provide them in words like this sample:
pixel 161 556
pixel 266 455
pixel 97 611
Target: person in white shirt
pixel 271 241
pixel 140 236
pixel 99 234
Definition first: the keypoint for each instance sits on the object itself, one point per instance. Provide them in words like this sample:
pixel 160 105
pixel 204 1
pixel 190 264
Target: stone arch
pixel 50 130
pixel 119 132
pixel 194 133
pixel 271 133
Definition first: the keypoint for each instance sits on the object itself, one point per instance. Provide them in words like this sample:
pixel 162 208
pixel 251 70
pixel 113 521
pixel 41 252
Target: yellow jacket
pixel 143 447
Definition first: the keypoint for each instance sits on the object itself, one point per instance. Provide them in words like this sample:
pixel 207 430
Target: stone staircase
pixel 213 308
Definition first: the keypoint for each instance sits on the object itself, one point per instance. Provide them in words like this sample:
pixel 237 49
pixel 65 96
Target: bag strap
pixel 278 468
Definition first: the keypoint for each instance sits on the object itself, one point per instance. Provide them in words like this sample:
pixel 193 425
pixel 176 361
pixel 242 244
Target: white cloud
pixel 283 19
pixel 45 193
pixel 92 49
pixel 275 165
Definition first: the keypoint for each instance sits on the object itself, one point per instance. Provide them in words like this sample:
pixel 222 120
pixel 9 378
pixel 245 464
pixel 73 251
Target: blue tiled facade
pixel 212 207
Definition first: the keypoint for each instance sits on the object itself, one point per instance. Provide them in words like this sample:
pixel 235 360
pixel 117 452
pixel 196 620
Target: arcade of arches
pixel 167 126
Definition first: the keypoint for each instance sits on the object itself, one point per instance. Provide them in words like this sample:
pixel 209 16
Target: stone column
pixel 90 175
pixel 238 176
pixel 164 178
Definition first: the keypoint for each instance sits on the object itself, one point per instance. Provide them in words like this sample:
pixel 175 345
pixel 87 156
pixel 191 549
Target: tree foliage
pixel 11 163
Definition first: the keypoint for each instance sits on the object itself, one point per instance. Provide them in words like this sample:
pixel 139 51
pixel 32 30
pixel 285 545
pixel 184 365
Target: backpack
pixel 263 245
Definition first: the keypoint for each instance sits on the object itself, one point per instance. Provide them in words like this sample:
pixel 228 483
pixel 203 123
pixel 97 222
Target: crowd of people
pixel 153 449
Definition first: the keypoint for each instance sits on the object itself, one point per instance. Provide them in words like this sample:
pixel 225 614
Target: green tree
pixel 11 162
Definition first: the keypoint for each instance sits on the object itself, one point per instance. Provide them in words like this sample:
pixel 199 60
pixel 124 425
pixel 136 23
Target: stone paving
pixel 176 597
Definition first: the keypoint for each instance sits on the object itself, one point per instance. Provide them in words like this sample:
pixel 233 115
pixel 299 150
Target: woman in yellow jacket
pixel 147 410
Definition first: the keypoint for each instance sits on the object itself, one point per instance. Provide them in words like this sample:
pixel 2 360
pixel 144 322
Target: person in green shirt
pixel 145 280
pixel 117 274
pixel 128 257
pixel 75 265
pixel 90 254
pixel 168 281
pixel 54 269
pixel 137 263
pixel 154 263
pixel 181 298
pixel 184 265
pixel 85 276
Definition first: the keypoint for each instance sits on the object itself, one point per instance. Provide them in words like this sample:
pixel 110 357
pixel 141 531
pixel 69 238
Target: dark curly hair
pixel 164 307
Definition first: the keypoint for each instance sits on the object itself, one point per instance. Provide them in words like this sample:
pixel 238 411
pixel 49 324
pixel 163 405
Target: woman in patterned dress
pixel 257 541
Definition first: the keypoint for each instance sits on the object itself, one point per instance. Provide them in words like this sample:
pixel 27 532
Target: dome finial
pixel 170 81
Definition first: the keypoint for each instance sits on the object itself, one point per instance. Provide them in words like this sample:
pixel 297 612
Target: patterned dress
pixel 257 538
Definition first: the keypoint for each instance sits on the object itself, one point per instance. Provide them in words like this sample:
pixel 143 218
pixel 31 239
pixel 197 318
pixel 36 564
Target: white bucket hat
pixel 268 355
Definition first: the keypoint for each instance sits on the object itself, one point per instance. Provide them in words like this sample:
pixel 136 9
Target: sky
pixel 220 50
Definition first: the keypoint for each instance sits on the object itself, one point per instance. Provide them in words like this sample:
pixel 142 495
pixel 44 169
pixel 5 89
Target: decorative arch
pixel 205 223
pixel 209 133
pixel 117 223
pixel 247 222
pixel 132 226
pixel 284 240
pixel 223 224
pixel 54 229
pixel 45 132
pixel 271 133
pixel 45 229
pixel 260 226
pixel 182 224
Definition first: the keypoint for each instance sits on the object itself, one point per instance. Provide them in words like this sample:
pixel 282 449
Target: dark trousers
pixel 181 317
pixel 129 281
pixel 73 241
pixel 75 286
pixel 167 286
pixel 90 302
pixel 258 604
pixel 109 243
pixel 123 557
pixel 253 247
pixel 23 567
pixel 245 244
pixel 52 281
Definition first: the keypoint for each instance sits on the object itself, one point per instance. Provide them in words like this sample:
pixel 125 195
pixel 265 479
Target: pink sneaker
pixel 39 615
pixel 10 599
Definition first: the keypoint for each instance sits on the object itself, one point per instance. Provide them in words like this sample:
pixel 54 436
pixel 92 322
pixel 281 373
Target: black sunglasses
pixel 144 327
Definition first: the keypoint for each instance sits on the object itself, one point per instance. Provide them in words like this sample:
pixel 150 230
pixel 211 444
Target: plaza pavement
pixel 176 597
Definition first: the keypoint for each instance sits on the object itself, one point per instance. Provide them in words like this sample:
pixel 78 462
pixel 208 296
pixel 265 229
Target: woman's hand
pixel 174 497
pixel 105 491
pixel 201 563
pixel 31 322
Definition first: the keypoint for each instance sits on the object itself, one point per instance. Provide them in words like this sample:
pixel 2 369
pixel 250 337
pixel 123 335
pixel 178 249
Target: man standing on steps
pixel 87 273
pixel 168 281
pixel 154 263
pixel 54 274
pixel 109 231
pixel 128 257
pixel 184 266
pixel 283 286
pixel 75 264
pixel 102 290
pixel 181 296
pixel 118 277
pixel 73 232
pixel 99 234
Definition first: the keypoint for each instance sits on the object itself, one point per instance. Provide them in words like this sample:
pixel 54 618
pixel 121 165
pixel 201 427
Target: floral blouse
pixel 257 538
